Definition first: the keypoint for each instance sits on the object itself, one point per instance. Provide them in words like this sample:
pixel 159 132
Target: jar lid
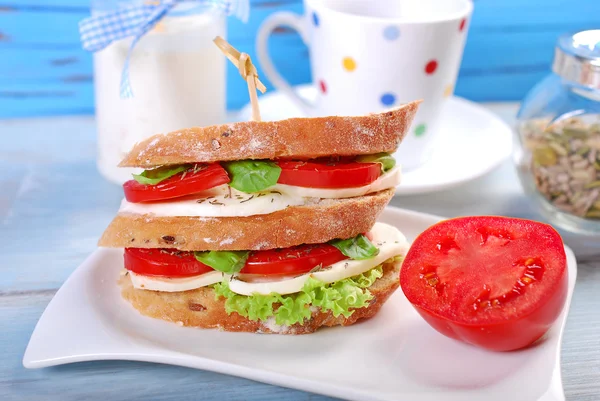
pixel 577 58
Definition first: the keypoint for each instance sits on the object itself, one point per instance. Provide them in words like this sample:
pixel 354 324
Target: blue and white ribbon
pixel 97 32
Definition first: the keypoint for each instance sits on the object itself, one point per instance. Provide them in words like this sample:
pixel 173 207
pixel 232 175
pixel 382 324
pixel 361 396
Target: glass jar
pixel 177 75
pixel 558 148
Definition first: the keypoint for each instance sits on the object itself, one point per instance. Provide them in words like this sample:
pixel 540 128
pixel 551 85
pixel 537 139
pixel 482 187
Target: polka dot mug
pixel 368 56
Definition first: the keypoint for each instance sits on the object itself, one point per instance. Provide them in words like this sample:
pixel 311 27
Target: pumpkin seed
pixel 595 184
pixel 593 214
pixel 545 156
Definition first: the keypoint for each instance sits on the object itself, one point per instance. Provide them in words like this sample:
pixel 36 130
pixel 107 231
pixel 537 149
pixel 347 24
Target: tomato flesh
pixel 163 262
pixel 292 261
pixel 328 174
pixel 194 180
pixel 494 282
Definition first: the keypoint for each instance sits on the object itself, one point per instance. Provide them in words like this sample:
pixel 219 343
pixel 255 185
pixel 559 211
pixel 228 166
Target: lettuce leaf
pixel 338 297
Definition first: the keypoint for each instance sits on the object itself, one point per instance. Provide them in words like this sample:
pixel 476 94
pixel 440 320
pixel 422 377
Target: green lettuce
pixel 340 297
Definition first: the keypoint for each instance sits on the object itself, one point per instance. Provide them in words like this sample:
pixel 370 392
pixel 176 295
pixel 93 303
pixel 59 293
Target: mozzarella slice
pixel 390 241
pixel 223 201
pixel 167 284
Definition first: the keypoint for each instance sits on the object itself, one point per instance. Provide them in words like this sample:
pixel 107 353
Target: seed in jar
pixel 583 150
pixel 593 214
pixel 581 164
pixel 575 132
pixel 595 184
pixel 562 178
pixel 545 156
pixel 559 149
pixel 582 175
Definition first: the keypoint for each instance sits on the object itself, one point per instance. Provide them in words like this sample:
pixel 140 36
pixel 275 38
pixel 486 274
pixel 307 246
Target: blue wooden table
pixel 54 205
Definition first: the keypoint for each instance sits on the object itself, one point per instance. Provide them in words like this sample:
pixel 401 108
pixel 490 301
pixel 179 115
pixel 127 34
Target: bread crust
pixel 320 222
pixel 199 308
pixel 291 138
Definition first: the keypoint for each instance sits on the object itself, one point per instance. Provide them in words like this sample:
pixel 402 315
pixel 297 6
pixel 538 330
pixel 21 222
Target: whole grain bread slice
pixel 200 308
pixel 321 221
pixel 303 138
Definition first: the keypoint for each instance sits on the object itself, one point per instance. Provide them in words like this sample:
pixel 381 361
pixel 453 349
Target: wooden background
pixel 43 70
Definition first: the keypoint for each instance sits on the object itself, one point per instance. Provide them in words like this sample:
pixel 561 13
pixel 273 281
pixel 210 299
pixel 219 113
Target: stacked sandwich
pixel 263 226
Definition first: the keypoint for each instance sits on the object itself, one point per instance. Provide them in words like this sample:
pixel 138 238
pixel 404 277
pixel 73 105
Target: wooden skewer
pixel 247 70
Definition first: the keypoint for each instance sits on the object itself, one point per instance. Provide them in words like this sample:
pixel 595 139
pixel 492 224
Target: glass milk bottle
pixel 177 76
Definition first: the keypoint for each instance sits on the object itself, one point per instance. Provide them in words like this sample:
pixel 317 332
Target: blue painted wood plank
pixel 509 41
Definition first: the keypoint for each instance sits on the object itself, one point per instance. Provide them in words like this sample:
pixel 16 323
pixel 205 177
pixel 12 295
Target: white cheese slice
pixel 223 201
pixel 167 284
pixel 390 241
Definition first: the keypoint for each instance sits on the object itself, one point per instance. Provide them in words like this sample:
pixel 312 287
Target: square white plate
pixel 393 356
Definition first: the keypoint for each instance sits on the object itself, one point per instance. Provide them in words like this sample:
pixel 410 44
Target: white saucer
pixel 476 141
pixel 395 355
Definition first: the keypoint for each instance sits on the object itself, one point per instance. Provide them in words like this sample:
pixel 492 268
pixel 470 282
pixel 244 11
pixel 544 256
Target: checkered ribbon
pixel 97 32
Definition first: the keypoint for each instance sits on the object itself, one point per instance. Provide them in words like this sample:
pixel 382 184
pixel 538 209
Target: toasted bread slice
pixel 292 138
pixel 200 308
pixel 324 220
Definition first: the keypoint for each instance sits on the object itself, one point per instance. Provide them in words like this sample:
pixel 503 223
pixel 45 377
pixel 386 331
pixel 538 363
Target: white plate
pixel 474 142
pixel 393 356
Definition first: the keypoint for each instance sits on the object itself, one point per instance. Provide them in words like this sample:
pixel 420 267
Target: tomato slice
pixel 494 282
pixel 194 180
pixel 291 261
pixel 328 174
pixel 163 262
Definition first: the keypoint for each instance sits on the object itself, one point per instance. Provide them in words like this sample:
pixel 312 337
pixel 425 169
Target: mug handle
pixel 294 21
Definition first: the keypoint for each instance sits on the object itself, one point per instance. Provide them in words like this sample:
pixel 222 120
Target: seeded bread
pixel 302 138
pixel 199 308
pixel 324 220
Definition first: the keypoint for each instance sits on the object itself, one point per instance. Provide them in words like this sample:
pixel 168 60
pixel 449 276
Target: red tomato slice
pixel 182 184
pixel 495 282
pixel 328 174
pixel 291 261
pixel 163 262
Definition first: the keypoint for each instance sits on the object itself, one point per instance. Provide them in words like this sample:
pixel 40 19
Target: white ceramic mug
pixel 370 55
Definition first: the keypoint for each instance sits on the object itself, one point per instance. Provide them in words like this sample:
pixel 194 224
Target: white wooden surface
pixel 54 205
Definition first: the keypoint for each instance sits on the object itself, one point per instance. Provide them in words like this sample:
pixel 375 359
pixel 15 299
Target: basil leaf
pixel 156 175
pixel 224 261
pixel 386 160
pixel 357 248
pixel 252 175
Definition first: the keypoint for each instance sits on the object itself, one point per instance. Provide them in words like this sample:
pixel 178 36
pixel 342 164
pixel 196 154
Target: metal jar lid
pixel 577 58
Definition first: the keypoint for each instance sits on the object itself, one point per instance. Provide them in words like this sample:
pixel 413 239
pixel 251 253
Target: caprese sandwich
pixel 263 226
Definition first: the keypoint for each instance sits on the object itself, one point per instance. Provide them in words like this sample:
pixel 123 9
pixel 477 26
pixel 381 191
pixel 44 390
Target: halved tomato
pixel 292 261
pixel 163 262
pixel 495 282
pixel 328 174
pixel 195 179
